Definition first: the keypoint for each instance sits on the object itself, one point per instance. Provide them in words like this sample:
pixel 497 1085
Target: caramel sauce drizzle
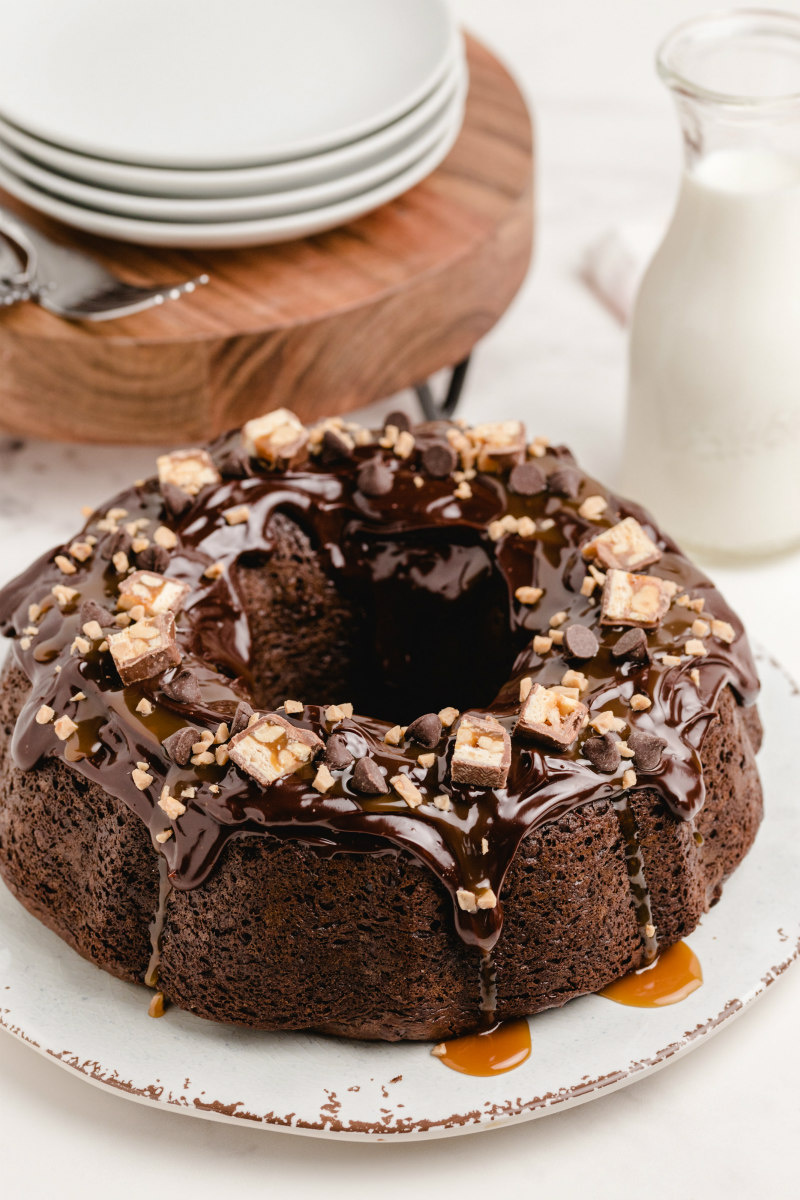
pixel 502 1047
pixel 673 976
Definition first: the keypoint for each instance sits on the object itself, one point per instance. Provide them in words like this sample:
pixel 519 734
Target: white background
pixel 722 1122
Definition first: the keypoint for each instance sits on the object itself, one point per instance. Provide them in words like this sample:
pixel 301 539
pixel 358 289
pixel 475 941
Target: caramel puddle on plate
pixel 490 1051
pixel 673 976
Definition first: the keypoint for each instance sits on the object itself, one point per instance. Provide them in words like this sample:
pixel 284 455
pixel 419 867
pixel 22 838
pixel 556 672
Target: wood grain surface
pixel 322 325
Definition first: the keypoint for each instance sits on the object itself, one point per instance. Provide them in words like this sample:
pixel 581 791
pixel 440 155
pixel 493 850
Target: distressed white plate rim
pixel 97 1026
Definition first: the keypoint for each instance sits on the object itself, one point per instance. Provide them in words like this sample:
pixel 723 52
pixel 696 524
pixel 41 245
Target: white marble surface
pixel 723 1122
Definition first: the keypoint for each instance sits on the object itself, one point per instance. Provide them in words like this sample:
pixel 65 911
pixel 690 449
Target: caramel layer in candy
pixel 272 748
pixel 278 437
pixel 499 444
pixel 641 600
pixel 624 546
pixel 146 648
pixel 154 592
pixel 187 470
pixel 551 716
pixel 482 753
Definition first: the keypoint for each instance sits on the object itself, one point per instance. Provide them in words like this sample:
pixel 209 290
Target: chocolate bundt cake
pixel 559 744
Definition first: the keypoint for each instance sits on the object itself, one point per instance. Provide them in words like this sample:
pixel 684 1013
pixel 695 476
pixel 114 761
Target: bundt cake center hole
pixel 406 628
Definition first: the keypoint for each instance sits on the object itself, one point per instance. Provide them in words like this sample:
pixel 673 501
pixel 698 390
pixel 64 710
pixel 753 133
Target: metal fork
pixel 17 269
pixel 71 284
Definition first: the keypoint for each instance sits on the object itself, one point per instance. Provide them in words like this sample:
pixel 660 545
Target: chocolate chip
pixel 602 753
pixel 335 448
pixel 439 460
pixel 153 558
pixel 399 420
pixel 580 642
pixel 176 501
pixel 375 479
pixel 92 611
pixel 647 749
pixel 337 755
pixel 179 744
pixel 565 481
pixel 526 479
pixel 632 645
pixel 426 730
pixel 236 464
pixel 367 778
pixel 241 718
pixel 118 543
pixel 183 687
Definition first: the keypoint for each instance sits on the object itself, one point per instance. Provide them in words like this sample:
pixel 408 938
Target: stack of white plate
pixel 224 122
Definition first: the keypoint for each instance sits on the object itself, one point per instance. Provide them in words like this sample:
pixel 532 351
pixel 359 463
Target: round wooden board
pixel 321 325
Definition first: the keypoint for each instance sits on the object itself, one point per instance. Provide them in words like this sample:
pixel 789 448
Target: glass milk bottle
pixel 713 434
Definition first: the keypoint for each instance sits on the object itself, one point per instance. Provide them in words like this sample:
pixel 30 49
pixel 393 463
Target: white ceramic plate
pixel 217 83
pixel 215 235
pixel 239 208
pixel 242 181
pixel 85 1020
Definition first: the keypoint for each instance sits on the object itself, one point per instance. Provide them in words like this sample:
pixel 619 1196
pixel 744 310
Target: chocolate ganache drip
pixel 519 570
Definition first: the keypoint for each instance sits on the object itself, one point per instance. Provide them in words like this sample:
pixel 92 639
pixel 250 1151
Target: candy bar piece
pixel 551 716
pixel 499 444
pixel 278 437
pixel 155 593
pixel 482 753
pixel 187 470
pixel 625 546
pixel 146 648
pixel 272 748
pixel 640 600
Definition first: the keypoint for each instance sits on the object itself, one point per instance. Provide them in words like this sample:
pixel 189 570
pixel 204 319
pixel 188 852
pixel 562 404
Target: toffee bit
pixel 639 702
pixel 142 779
pixel 407 790
pixel 466 900
pixel 394 736
pixel 542 644
pixel 323 780
pixel 170 804
pixel 442 802
pixel 593 508
pixel 64 565
pixel 629 778
pixel 165 538
pixel 237 516
pixel 144 707
pixel 293 706
pixel 529 595
pixel 44 714
pixel 723 630
pixel 448 716
pixel 64 728
pixel 164 836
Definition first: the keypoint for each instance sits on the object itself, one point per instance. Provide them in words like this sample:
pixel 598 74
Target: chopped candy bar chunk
pixel 187 470
pixel 482 753
pixel 624 546
pixel 155 593
pixel 640 600
pixel 551 716
pixel 146 648
pixel 272 748
pixel 279 437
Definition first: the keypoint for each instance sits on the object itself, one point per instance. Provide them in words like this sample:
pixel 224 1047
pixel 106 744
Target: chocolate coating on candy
pixel 412 543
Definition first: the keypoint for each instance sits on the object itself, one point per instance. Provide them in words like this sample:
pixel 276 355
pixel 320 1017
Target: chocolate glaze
pixel 428 548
